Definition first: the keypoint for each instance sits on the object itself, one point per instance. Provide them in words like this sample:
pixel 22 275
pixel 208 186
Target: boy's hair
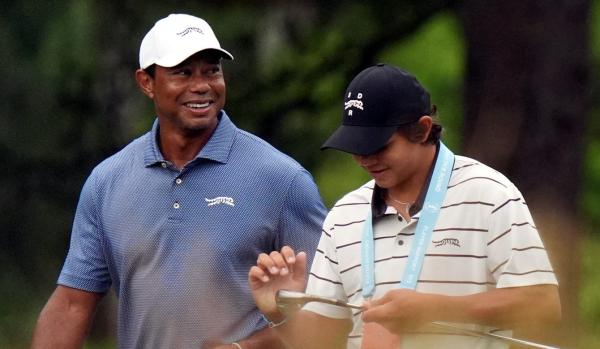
pixel 414 131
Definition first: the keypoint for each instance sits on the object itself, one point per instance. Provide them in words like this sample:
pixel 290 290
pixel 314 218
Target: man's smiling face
pixel 189 96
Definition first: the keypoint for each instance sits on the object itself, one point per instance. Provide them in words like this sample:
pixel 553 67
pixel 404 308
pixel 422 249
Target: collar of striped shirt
pixel 378 205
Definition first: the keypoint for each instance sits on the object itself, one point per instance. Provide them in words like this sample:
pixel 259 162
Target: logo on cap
pixel 353 103
pixel 189 30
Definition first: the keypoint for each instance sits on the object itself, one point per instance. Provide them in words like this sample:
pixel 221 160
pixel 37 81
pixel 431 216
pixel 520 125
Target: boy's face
pixel 394 166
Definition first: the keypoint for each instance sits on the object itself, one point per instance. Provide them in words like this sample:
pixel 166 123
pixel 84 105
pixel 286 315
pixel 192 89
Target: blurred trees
pixel 526 97
pixel 50 137
pixel 69 100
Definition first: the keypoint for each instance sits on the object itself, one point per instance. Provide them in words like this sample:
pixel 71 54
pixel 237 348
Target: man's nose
pixel 199 84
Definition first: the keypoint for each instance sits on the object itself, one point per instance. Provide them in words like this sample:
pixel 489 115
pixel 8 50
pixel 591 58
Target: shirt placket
pixel 177 201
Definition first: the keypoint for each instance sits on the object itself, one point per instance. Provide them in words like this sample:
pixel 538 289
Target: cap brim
pixel 224 53
pixel 178 57
pixel 359 140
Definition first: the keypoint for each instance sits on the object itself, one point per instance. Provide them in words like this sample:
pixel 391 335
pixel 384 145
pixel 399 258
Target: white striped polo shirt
pixel 484 238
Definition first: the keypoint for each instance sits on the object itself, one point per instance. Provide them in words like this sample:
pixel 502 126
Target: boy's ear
pixel 145 82
pixel 425 124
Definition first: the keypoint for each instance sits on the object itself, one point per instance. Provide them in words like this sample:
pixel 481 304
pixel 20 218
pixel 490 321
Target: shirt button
pixel 178 181
pixel 400 242
pixel 163 164
pixel 176 205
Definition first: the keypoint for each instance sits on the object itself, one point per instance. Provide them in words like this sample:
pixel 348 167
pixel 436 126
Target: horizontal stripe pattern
pixel 484 238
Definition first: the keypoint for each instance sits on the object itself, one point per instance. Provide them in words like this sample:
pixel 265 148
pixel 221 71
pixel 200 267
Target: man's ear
pixel 145 82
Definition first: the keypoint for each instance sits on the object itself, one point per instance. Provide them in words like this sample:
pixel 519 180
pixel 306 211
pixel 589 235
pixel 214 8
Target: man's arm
pixel 508 308
pixel 65 319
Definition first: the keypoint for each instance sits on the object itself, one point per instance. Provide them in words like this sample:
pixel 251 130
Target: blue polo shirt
pixel 177 245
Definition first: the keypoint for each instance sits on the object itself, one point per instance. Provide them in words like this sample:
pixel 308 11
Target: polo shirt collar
pixel 219 145
pixel 217 148
pixel 378 205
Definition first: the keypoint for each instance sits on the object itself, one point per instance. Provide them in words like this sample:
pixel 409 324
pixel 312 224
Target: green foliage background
pixel 68 101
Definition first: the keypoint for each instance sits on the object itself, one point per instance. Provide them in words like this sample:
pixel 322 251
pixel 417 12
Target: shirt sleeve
pixel 516 253
pixel 85 267
pixel 301 216
pixel 324 278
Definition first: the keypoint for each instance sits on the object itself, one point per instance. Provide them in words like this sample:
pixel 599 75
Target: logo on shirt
pixel 447 241
pixel 220 200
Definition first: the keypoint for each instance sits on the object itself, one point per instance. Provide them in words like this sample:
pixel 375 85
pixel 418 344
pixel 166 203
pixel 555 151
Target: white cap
pixel 175 38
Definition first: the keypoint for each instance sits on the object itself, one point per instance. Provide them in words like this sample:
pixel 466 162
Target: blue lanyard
pixel 429 214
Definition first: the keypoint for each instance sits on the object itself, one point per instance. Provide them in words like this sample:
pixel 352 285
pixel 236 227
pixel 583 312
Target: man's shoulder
pixel 124 157
pixel 263 152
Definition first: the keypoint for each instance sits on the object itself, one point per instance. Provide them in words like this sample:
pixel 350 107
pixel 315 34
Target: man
pixel 175 219
pixel 432 238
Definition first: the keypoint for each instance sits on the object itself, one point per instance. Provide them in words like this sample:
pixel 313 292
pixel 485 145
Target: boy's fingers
pixel 289 255
pixel 279 266
pixel 257 274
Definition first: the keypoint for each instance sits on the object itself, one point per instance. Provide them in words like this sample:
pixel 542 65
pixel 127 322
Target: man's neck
pixel 180 149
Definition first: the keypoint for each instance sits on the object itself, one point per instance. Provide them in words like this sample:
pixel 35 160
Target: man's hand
pixel 225 346
pixel 400 310
pixel 275 271
pixel 261 339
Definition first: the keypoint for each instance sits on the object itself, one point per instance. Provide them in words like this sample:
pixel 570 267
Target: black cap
pixel 377 101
